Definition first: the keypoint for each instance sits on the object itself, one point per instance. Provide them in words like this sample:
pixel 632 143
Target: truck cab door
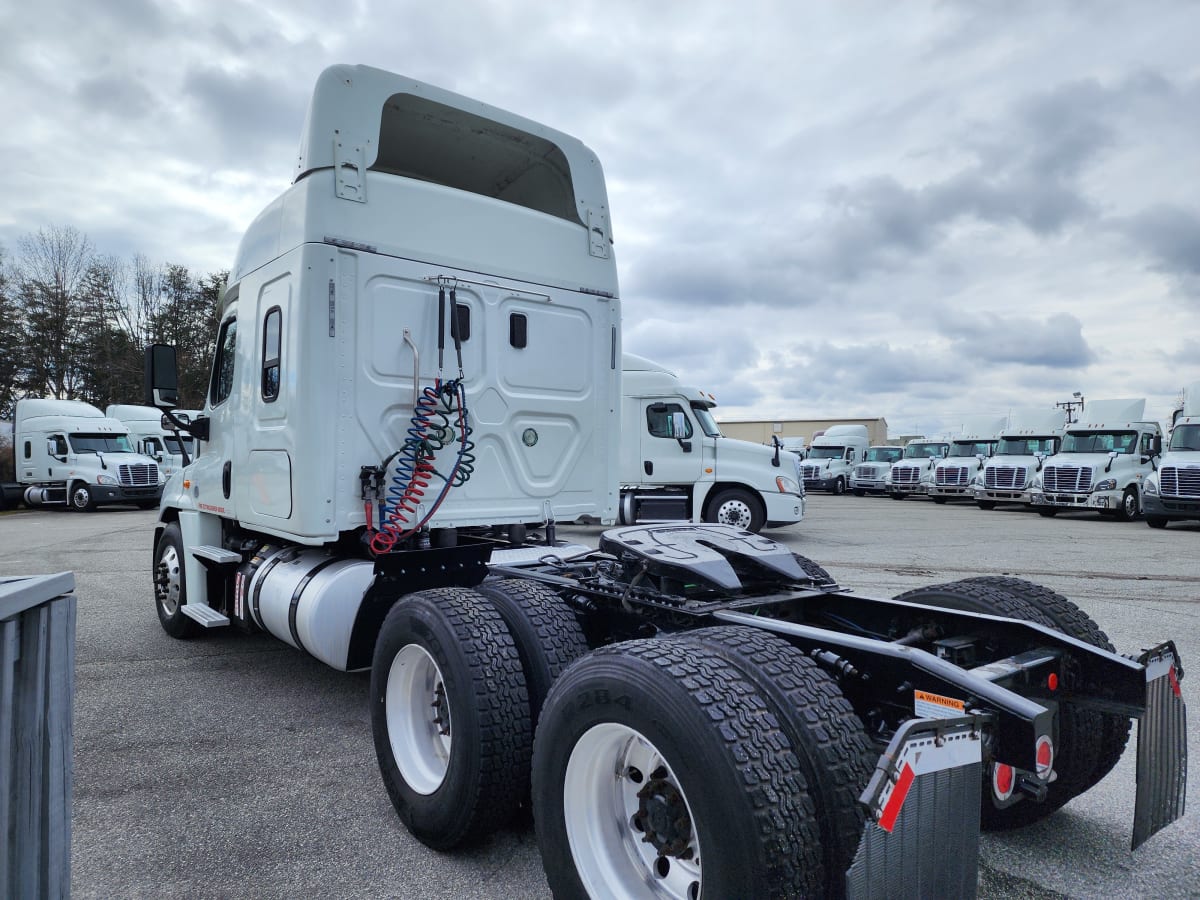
pixel 672 446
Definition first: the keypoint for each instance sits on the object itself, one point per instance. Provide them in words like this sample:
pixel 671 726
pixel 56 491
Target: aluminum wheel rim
pixel 607 768
pixel 168 583
pixel 735 512
pixel 418 719
pixel 81 492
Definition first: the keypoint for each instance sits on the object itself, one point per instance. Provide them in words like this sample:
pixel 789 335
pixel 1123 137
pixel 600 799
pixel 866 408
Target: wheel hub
pixel 663 818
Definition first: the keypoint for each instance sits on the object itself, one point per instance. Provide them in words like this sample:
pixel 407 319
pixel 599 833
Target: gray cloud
pixel 1169 236
pixel 1056 341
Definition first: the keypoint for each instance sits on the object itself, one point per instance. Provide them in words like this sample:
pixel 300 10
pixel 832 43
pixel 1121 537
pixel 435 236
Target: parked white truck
pixel 832 457
pixel 958 475
pixel 913 474
pixel 68 453
pixel 1173 492
pixel 168 447
pixel 1030 436
pixel 1102 462
pixel 874 474
pixel 677 466
pixel 689 709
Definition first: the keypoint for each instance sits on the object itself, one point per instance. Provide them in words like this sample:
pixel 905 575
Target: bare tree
pixel 50 271
pixel 12 343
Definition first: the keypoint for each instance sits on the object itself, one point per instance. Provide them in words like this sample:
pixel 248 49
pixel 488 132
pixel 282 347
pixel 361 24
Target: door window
pixel 222 374
pixel 661 422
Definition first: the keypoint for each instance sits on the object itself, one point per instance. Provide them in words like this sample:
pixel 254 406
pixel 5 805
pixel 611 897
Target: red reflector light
pixel 1044 754
pixel 1052 681
pixel 1002 781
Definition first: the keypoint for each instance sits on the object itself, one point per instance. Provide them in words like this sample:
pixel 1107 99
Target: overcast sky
pixel 911 210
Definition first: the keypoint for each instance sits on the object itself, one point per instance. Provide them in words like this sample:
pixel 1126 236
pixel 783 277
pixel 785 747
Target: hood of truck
pixel 750 464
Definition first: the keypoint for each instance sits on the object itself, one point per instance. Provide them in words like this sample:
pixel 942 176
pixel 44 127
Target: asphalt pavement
pixel 236 766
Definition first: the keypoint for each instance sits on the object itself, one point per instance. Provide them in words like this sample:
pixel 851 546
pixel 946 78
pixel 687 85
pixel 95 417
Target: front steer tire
pixel 170 585
pixel 450 716
pixel 707 786
pixel 736 507
pixel 82 499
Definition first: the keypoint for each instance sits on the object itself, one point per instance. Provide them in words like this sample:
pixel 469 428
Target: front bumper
pixel 962 491
pixel 870 485
pixel 919 488
pixel 1002 496
pixel 784 509
pixel 1100 500
pixel 119 493
pixel 824 483
pixel 1170 507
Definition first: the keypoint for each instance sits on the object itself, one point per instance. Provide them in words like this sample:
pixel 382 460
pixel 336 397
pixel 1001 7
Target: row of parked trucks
pixel 1111 461
pixel 688 709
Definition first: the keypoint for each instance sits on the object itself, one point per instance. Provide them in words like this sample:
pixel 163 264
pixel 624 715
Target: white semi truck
pixel 1031 436
pixel 1173 492
pixel 167 446
pixel 958 475
pixel 913 474
pixel 1102 462
pixel 68 453
pixel 677 466
pixel 832 457
pixel 418 358
pixel 874 474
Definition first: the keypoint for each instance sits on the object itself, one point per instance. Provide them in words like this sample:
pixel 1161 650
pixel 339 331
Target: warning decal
pixel 935 706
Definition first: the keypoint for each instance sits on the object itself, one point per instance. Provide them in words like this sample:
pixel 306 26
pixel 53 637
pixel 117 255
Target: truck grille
pixel 1004 477
pixel 952 475
pixel 138 475
pixel 905 475
pixel 1073 479
pixel 811 473
pixel 1179 481
pixel 868 472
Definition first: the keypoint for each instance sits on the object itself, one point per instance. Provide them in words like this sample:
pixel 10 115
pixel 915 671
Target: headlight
pixel 1150 486
pixel 786 485
pixel 1108 484
pixel 162 477
pixel 106 479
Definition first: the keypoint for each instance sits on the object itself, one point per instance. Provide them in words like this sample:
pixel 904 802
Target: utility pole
pixel 1071 405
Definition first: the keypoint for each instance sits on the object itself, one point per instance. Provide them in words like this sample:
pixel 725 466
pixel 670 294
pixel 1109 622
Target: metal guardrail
pixel 37 687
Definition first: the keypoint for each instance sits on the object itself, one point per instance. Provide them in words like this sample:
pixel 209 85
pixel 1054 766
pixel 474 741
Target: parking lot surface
pixel 235 766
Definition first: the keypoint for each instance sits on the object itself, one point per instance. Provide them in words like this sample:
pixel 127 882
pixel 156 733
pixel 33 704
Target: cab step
pixel 205 615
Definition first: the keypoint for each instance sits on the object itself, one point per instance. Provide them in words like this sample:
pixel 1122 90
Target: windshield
pixel 101 443
pixel 1099 442
pixel 826 452
pixel 884 454
pixel 173 444
pixel 1026 446
pixel 707 423
pixel 972 448
pixel 1185 437
pixel 922 450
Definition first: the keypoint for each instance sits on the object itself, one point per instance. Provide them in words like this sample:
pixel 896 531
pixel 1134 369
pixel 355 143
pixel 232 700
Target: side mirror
pixel 1156 445
pixel 52 447
pixel 162 377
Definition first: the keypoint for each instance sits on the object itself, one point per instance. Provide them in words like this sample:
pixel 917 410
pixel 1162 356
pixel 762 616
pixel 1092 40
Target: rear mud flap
pixel 922 833
pixel 1162 746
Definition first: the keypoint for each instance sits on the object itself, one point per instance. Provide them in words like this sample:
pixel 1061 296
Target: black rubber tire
pixel 859 493
pixel 1074 622
pixel 1156 521
pixel 815 571
pixel 80 497
pixel 147 504
pixel 547 634
pixel 896 495
pixel 487 774
pixel 170 585
pixel 1131 505
pixel 1080 732
pixel 839 486
pixel 750 808
pixel 938 500
pixel 1048 512
pixel 986 504
pixel 827 736
pixel 737 507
